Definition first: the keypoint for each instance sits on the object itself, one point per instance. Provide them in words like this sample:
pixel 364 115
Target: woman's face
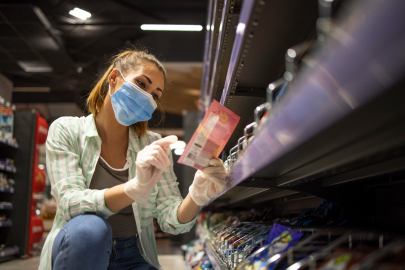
pixel 148 77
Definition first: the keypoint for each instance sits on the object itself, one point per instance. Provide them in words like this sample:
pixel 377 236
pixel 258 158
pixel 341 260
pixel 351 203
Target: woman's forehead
pixel 151 71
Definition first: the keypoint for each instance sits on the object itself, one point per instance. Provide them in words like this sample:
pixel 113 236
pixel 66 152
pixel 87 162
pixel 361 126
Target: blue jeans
pixel 86 242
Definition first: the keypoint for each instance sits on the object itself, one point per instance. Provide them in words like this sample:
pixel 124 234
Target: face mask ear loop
pixel 109 87
pixel 122 75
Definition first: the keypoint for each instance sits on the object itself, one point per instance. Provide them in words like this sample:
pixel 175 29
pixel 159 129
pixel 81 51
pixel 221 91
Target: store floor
pixel 169 257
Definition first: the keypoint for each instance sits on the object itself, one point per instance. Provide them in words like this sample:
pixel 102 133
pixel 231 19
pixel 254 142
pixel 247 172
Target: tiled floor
pixel 169 257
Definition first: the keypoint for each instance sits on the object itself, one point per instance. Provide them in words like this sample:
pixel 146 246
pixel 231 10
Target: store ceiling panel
pixel 76 50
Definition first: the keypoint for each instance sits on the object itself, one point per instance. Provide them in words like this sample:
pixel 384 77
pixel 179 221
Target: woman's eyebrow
pixel 147 79
pixel 151 83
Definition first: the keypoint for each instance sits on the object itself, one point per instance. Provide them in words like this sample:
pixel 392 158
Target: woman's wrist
pixel 187 210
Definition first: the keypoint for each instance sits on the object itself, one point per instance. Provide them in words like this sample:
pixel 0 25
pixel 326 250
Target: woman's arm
pixel 188 210
pixel 116 198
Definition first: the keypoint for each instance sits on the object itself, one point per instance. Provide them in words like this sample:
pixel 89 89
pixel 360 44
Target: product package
pixel 210 137
pixel 6 122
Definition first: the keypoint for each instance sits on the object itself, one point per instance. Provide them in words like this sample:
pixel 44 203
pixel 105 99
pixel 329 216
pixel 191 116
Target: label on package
pixel 210 137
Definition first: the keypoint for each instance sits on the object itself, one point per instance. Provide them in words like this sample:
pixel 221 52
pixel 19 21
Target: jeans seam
pixel 65 249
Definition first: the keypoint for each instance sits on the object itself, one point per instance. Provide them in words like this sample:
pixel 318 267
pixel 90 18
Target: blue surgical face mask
pixel 131 104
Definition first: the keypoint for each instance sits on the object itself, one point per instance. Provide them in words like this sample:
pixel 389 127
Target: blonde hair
pixel 125 61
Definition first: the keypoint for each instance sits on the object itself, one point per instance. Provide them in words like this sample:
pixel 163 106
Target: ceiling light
pixel 80 13
pixel 178 152
pixel 34 66
pixel 178 145
pixel 171 27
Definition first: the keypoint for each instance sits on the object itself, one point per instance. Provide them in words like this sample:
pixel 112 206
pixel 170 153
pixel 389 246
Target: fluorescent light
pixel 171 27
pixel 178 145
pixel 178 152
pixel 80 13
pixel 35 66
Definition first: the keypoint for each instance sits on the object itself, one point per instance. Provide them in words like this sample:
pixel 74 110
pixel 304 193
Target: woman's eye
pixel 141 83
pixel 155 97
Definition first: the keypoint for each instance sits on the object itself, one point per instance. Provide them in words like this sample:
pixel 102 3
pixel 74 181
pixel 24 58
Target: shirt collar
pixel 90 126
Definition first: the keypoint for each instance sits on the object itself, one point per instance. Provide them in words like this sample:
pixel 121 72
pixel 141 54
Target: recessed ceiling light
pixel 80 13
pixel 171 27
pixel 35 66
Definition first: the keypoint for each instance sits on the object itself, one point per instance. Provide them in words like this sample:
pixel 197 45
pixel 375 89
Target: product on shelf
pixel 6 122
pixel 242 241
pixel 210 137
pixel 195 257
pixel 7 164
pixel 6 183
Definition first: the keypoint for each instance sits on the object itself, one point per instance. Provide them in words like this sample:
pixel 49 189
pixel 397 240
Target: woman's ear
pixel 113 80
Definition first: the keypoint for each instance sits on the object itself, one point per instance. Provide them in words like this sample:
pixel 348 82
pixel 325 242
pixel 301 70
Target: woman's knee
pixel 91 229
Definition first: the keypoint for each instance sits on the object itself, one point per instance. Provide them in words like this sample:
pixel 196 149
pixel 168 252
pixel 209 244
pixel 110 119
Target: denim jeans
pixel 86 242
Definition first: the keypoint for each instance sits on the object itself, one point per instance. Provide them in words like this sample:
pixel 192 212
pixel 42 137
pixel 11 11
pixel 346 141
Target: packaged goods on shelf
pixel 7 164
pixel 6 122
pixel 195 256
pixel 6 183
pixel 260 246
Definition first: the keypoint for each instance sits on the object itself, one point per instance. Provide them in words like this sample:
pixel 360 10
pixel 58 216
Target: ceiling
pixel 41 36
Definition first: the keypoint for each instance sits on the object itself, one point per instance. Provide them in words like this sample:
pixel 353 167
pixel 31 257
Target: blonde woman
pixel 110 176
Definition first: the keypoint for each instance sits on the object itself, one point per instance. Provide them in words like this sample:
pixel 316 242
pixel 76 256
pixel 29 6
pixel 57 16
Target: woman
pixel 110 176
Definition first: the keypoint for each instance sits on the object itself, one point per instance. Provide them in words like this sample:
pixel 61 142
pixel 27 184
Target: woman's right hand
pixel 150 162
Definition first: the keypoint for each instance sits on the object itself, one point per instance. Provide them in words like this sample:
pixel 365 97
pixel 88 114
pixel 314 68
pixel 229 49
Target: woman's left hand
pixel 208 183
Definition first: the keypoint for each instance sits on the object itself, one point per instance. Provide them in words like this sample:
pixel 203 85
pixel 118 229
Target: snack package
pixel 210 137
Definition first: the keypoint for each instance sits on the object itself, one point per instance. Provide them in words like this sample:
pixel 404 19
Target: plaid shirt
pixel 72 151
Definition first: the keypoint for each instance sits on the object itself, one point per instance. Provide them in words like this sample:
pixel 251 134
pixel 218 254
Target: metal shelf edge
pixel 216 263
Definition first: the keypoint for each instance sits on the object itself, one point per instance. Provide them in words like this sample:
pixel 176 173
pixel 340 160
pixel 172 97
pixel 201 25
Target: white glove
pixel 150 162
pixel 208 183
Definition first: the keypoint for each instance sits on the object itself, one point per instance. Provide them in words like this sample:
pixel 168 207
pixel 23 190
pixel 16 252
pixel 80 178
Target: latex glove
pixel 150 162
pixel 208 183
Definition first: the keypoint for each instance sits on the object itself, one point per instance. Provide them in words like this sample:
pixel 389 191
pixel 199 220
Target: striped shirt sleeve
pixel 66 176
pixel 168 201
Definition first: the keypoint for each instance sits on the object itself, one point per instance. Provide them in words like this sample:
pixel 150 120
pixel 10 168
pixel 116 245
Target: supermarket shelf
pixel 5 223
pixel 8 170
pixel 227 32
pixel 7 189
pixel 324 124
pixel 5 206
pixel 215 260
pixel 8 143
pixel 258 53
pixel 8 148
pixel 213 21
pixel 8 251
